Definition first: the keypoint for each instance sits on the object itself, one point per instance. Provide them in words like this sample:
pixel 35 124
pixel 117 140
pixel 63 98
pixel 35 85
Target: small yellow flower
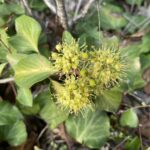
pixel 86 73
pixel 74 98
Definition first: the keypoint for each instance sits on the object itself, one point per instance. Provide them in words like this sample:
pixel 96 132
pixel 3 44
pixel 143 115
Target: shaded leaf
pixel 9 113
pixel 134 143
pixel 109 100
pixel 145 46
pixel 50 112
pixel 15 134
pixel 111 17
pixel 134 2
pixel 145 61
pixel 92 129
pixel 24 96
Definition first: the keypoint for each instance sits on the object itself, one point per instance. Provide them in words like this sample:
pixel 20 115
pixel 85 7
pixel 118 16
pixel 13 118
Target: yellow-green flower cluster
pixel 67 57
pixel 75 95
pixel 105 68
pixel 86 73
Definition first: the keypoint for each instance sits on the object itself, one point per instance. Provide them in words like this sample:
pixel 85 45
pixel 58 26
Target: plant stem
pixel 83 11
pixel 50 6
pixel 26 6
pixel 62 13
pixel 6 80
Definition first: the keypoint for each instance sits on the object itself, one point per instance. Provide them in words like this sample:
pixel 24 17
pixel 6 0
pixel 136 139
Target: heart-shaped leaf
pixel 129 118
pixel 24 96
pixel 9 113
pixel 92 129
pixel 32 69
pixel 29 31
pixel 109 100
pixel 15 134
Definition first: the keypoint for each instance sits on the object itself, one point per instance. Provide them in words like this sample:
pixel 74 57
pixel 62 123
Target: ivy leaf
pixel 50 112
pixel 134 2
pixel 111 17
pixel 67 37
pixel 9 113
pixel 109 100
pixel 29 30
pixel 15 134
pixel 92 129
pixel 134 78
pixel 14 58
pixel 32 69
pixel 145 61
pixel 4 10
pixel 16 9
pixel 134 143
pixel 3 44
pixel 24 96
pixel 145 47
pixel 129 118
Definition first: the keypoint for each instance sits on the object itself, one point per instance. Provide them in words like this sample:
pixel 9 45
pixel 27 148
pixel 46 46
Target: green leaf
pixel 9 113
pixel 134 143
pixel 15 134
pixel 4 10
pixel 67 37
pixel 145 61
pixel 32 69
pixel 34 110
pixel 92 129
pixel 1 1
pixel 2 66
pixel 145 46
pixel 24 96
pixel 8 9
pixel 14 58
pixel 37 5
pixel 20 45
pixel 50 112
pixel 29 29
pixel 134 2
pixel 135 22
pixel 129 118
pixel 109 100
pixel 2 22
pixel 111 17
pixel 133 79
pixel 3 45
pixel 16 9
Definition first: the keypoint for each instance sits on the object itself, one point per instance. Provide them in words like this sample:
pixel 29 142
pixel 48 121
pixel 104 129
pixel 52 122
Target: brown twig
pixel 62 13
pixel 3 81
pixel 27 7
pixel 83 11
pixel 50 5
pixel 141 142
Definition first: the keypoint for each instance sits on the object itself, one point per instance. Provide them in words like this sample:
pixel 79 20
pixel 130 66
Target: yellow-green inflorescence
pixel 87 73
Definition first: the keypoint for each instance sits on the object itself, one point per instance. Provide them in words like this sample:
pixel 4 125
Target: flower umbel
pixel 75 95
pixel 87 73
pixel 67 57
